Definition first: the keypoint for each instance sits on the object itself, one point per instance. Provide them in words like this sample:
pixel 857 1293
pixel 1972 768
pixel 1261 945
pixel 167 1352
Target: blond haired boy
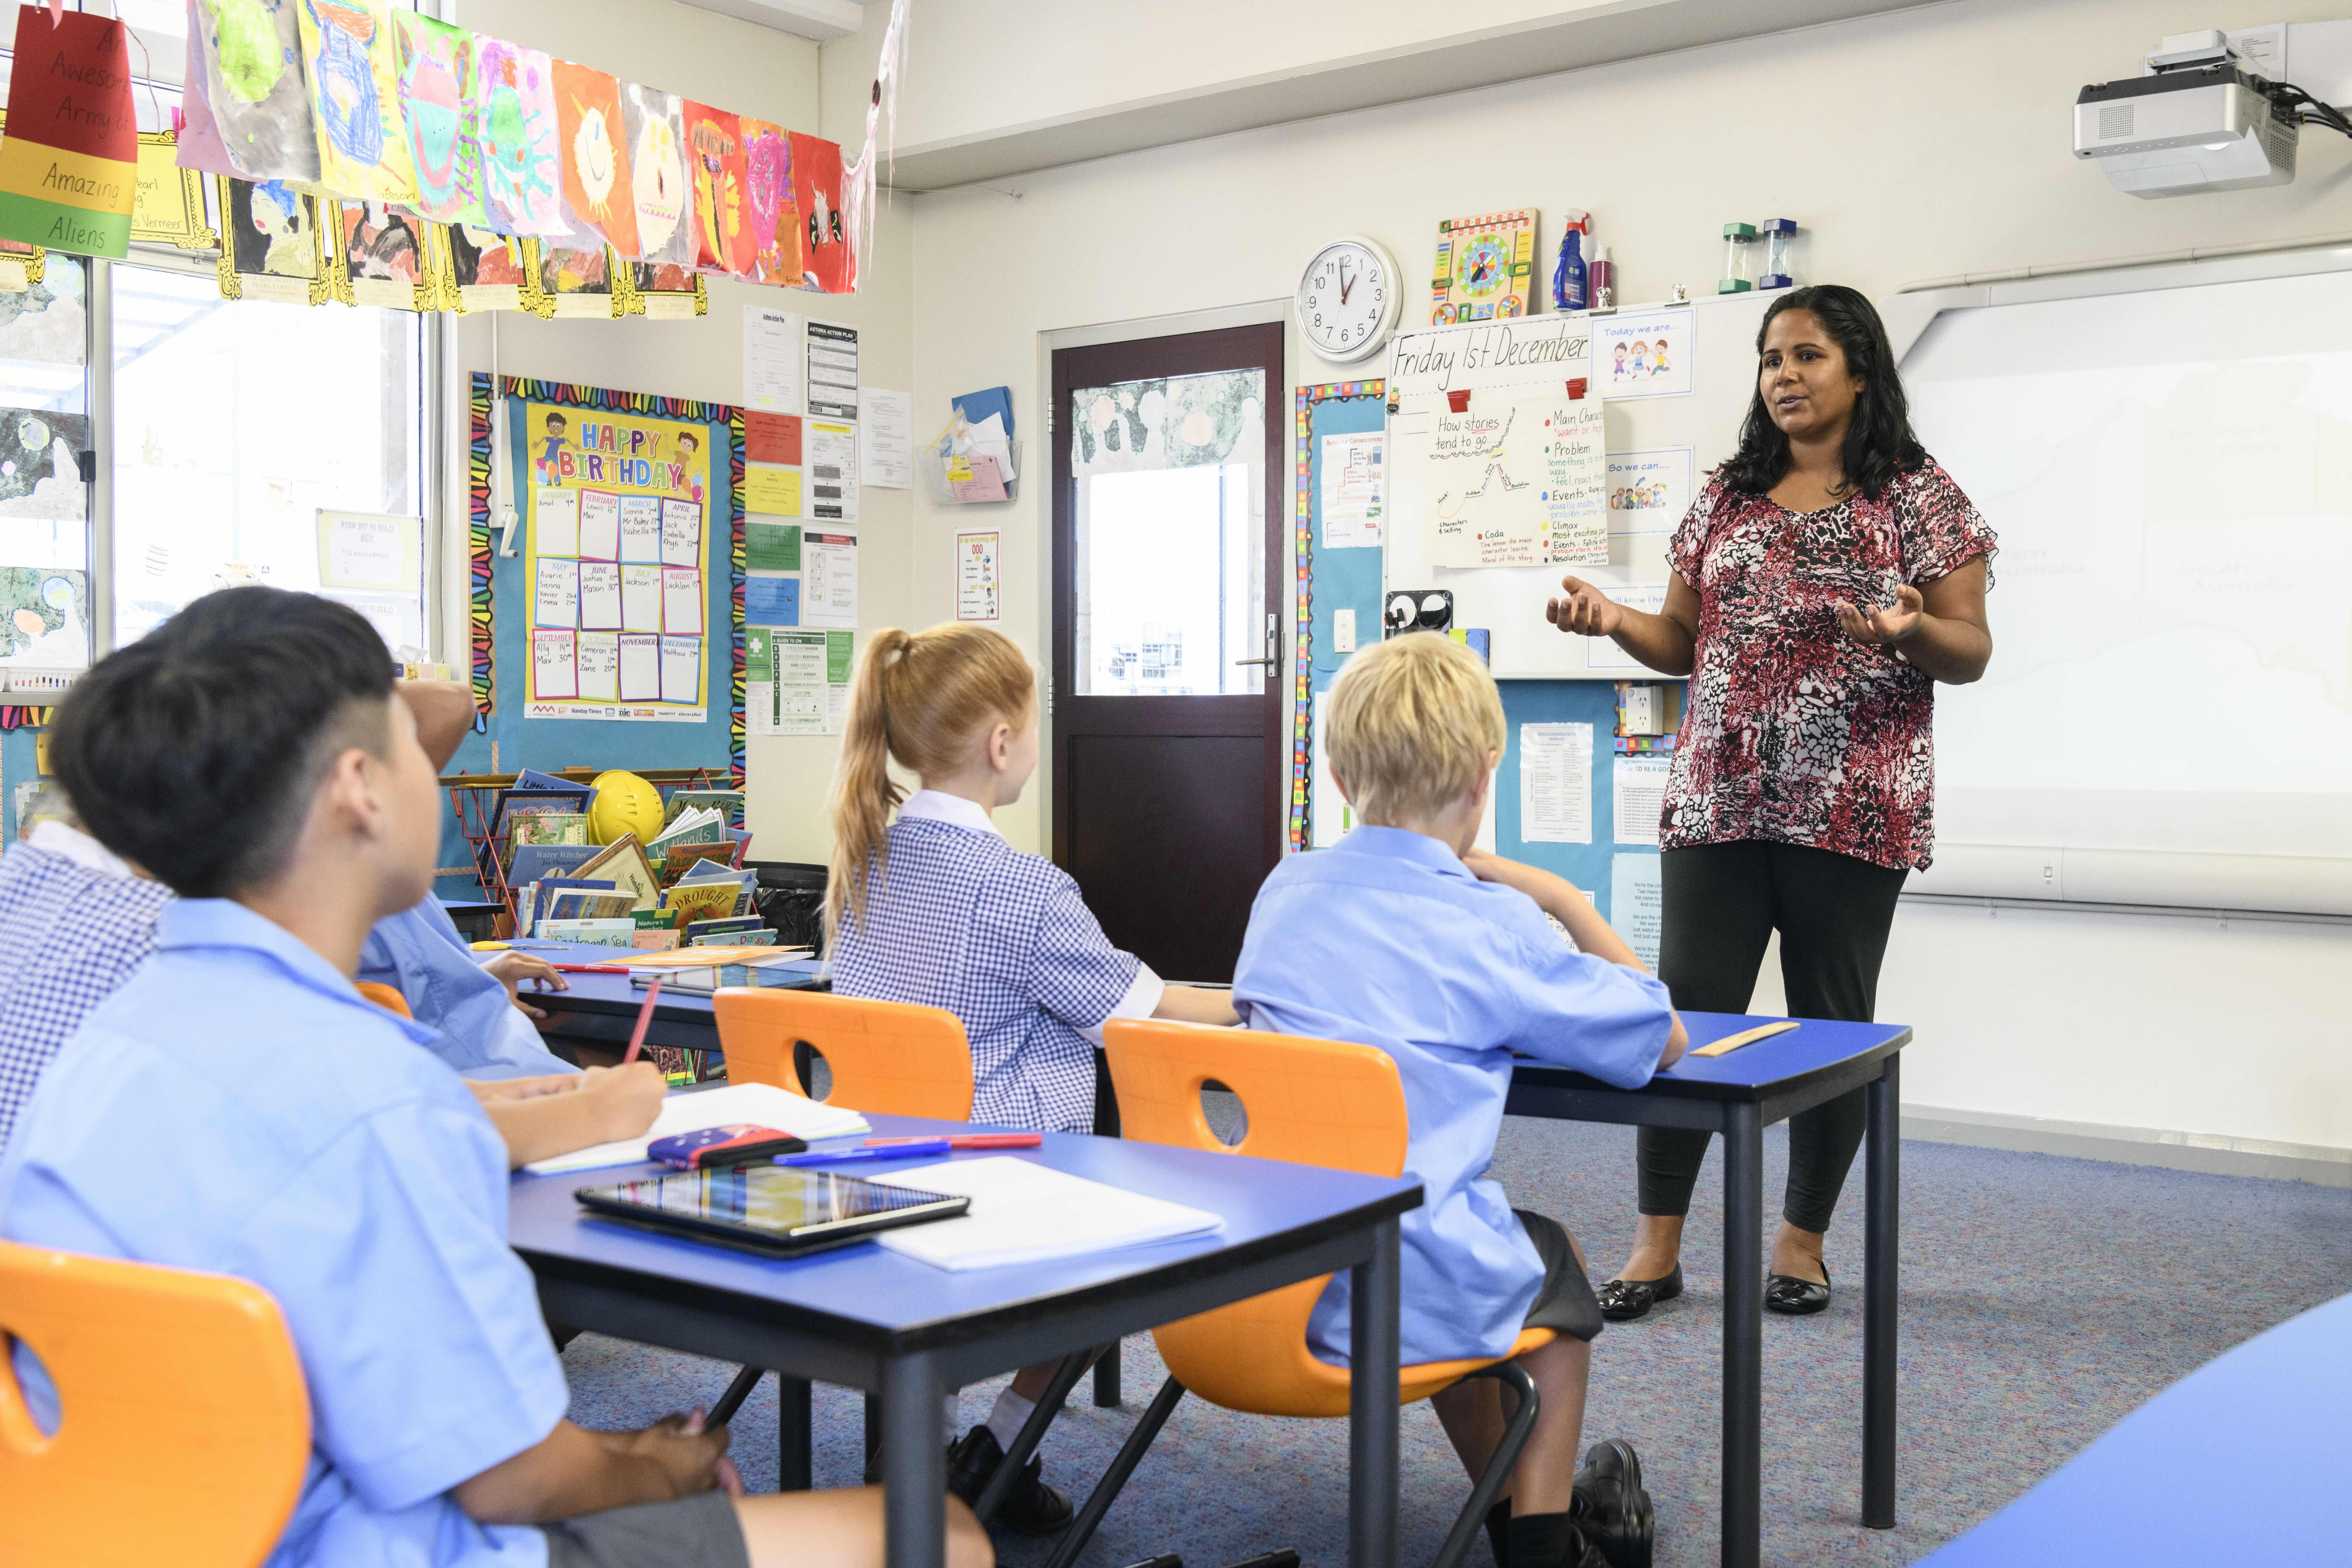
pixel 1405 937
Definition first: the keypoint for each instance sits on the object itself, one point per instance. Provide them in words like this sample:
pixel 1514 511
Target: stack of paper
pixel 1024 1211
pixel 760 1104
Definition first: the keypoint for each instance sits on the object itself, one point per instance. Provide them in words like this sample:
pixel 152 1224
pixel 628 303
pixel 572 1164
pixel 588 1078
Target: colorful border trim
pixel 479 562
pixel 646 404
pixel 1302 748
pixel 17 717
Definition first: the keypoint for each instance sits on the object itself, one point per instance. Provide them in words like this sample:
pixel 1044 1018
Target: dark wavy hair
pixel 1879 444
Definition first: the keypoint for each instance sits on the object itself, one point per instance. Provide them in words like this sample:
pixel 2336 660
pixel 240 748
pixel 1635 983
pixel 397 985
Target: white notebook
pixel 1023 1212
pixel 760 1104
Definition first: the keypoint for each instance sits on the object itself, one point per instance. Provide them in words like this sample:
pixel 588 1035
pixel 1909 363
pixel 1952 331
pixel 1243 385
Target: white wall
pixel 1912 145
pixel 753 71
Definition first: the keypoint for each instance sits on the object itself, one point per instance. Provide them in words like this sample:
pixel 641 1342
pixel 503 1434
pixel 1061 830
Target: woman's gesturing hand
pixel 1894 623
pixel 1584 610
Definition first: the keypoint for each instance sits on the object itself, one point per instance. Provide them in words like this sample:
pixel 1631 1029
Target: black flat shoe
pixel 1795 1298
pixel 1623 1301
pixel 1611 1510
pixel 1031 1508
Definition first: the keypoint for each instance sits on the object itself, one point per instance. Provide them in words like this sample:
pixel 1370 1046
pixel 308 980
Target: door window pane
pixel 45 614
pixel 234 423
pixel 1170 530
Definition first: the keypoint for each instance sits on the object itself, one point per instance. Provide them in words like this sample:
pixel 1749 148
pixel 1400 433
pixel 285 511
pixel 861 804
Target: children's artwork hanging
pixel 618 557
pixel 521 169
pixel 354 72
pixel 249 57
pixel 573 283
pixel 826 266
pixel 1485 267
pixel 654 129
pixel 487 272
pixel 169 207
pixel 774 229
pixel 270 247
pixel 439 111
pixel 598 201
pixel 662 291
pixel 714 143
pixel 68 164
pixel 381 257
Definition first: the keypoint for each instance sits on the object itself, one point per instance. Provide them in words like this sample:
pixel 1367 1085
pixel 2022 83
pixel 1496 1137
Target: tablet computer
pixel 767 1208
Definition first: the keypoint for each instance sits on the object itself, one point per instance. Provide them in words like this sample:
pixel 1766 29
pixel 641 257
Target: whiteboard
pixel 1683 422
pixel 2168 716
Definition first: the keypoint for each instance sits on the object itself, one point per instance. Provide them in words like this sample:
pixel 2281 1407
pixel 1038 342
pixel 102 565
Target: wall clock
pixel 1348 300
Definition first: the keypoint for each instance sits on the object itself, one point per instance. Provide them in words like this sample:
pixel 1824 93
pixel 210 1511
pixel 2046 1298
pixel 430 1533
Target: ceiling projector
pixel 2203 116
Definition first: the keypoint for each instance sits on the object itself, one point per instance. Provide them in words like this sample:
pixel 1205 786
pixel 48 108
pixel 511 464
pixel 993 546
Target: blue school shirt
pixel 482 1033
pixel 1386 939
pixel 238 1107
pixel 959 919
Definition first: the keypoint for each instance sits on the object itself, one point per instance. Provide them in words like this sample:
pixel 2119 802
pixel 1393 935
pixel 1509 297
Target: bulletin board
pixel 649 451
pixel 1332 576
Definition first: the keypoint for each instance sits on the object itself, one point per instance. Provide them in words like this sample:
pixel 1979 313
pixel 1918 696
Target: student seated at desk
pixel 1403 937
pixel 936 909
pixel 76 921
pixel 238 1107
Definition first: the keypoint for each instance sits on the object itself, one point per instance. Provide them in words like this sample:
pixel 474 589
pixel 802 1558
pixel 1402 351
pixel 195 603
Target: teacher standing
pixel 1826 577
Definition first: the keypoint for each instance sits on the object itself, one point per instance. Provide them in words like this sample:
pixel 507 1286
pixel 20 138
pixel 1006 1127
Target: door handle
pixel 1257 661
pixel 1273 643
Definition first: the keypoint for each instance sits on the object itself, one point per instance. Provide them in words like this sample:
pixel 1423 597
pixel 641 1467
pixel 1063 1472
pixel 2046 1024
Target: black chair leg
pixel 1516 1432
pixel 1032 1433
pixel 1130 1454
pixel 732 1400
pixel 1106 1392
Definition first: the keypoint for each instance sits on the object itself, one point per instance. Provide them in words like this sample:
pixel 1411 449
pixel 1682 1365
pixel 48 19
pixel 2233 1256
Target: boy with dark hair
pixel 252 755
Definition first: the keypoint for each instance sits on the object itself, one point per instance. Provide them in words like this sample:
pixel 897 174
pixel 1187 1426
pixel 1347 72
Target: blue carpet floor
pixel 2042 1299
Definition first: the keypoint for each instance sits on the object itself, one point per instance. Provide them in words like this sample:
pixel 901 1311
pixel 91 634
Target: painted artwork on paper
pixel 354 84
pixel 438 110
pixel 255 88
pixel 521 170
pixel 825 263
pixel 598 202
pixel 774 215
pixel 655 128
pixel 272 229
pixel 714 145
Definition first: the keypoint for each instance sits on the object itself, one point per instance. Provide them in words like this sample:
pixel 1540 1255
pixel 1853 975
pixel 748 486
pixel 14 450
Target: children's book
pixel 624 860
pixel 533 861
pixel 761 938
pixel 528 825
pixel 588 904
pixel 678 860
pixel 551 794
pixel 691 901
pixel 727 803
pixel 701 929
pixel 537 895
pixel 596 933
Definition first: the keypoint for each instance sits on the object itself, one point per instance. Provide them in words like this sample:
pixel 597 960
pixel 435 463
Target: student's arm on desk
pixel 543 1117
pixel 1197 1005
pixel 573 1471
pixel 1559 898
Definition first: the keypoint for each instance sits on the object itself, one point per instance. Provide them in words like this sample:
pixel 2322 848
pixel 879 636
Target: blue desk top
pixel 866 1294
pixel 1760 1071
pixel 2245 1460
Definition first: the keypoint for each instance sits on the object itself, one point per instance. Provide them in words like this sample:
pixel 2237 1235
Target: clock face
pixel 1347 300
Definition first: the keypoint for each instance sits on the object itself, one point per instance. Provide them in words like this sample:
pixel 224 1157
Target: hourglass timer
pixel 1780 239
pixel 1738 259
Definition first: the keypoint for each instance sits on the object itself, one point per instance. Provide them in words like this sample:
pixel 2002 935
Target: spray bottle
pixel 1601 279
pixel 1569 290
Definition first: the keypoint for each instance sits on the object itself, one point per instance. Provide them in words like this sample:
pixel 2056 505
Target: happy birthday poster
pixel 597 199
pixel 354 85
pixel 439 108
pixel 775 227
pixel 254 87
pixel 654 125
pixel 521 170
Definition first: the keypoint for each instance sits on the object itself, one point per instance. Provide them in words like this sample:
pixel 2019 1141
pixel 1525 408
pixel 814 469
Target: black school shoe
pixel 1612 1509
pixel 1547 1541
pixel 1031 1508
pixel 1795 1298
pixel 1623 1301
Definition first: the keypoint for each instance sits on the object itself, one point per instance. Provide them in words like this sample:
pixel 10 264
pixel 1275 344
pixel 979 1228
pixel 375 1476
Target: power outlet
pixel 1343 631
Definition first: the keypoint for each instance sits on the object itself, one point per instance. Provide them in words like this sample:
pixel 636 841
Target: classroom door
pixel 1171 757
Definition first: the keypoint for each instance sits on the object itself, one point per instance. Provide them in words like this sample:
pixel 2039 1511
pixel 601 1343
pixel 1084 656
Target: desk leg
pixel 1743 1335
pixel 1883 1235
pixel 792 1443
pixel 1107 1379
pixel 914 1465
pixel 1372 1404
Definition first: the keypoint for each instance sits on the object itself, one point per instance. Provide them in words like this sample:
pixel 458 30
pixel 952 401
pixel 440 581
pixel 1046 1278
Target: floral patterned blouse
pixel 1796 734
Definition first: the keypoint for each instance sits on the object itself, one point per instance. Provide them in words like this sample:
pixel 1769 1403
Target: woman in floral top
pixel 1828 575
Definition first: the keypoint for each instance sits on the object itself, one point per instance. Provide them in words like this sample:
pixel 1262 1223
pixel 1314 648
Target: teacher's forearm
pixel 1659 641
pixel 1953 651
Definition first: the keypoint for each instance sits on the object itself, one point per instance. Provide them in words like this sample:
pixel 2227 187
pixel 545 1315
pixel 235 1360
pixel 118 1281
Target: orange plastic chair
pixel 184 1426
pixel 387 997
pixel 888 1057
pixel 1311 1102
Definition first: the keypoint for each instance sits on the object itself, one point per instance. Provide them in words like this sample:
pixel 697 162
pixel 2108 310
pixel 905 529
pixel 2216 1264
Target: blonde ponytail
pixel 920 698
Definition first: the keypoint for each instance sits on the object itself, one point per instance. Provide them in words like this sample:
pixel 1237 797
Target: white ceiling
pixel 822 20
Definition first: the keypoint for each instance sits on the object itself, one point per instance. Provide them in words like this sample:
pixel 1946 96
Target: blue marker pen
pixel 853 1156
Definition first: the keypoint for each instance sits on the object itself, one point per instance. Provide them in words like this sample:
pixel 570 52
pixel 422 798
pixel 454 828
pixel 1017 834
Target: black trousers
pixel 1723 901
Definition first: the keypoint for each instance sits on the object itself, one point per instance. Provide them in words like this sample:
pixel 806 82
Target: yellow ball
pixel 624 804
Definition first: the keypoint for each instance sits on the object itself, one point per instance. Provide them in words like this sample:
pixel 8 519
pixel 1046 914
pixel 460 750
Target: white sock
pixel 1008 1415
pixel 951 1416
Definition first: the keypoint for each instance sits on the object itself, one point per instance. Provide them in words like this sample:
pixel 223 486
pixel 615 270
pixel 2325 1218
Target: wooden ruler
pixel 1745 1037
